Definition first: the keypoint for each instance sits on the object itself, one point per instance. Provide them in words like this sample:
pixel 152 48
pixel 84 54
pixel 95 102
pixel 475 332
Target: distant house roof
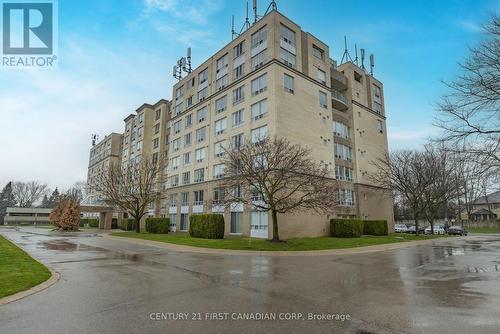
pixel 482 212
pixel 493 198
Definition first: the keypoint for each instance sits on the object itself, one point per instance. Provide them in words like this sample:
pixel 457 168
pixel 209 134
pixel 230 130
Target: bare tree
pixel 130 188
pixel 470 114
pixel 78 190
pixel 277 176
pixel 404 172
pixel 28 193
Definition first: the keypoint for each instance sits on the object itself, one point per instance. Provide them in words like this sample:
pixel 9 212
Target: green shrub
pixel 91 222
pixel 158 225
pixel 346 228
pixel 375 227
pixel 208 226
pixel 127 224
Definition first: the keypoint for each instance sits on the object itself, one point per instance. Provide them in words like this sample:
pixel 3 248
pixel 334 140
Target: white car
pixel 400 228
pixel 438 229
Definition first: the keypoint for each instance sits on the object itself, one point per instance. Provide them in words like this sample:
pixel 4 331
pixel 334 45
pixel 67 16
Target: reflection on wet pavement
pixel 448 287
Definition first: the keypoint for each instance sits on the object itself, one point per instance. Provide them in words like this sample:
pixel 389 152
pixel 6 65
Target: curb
pixel 53 279
pixel 37 288
pixel 340 251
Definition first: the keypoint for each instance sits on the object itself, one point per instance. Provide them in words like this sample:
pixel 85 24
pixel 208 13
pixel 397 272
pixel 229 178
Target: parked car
pixel 456 230
pixel 438 229
pixel 400 228
pixel 411 229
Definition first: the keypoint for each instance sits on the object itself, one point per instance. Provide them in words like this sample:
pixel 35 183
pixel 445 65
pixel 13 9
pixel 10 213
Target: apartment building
pixel 102 155
pixel 146 136
pixel 275 80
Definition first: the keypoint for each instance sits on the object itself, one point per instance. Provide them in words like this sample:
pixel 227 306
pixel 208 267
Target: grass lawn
pixel 483 230
pixel 302 244
pixel 18 271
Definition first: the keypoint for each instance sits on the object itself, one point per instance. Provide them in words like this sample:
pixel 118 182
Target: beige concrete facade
pixel 276 80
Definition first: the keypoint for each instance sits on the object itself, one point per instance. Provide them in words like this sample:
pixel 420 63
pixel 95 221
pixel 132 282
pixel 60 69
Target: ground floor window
pixel 173 222
pixel 184 222
pixel 258 220
pixel 236 222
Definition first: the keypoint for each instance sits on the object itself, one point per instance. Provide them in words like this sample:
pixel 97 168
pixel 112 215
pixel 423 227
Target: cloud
pixel 410 137
pixel 469 26
pixel 194 11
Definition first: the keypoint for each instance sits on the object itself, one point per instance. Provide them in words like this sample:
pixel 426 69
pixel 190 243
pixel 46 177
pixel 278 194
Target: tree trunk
pixel 432 226
pixel 276 236
pixel 138 225
pixel 416 224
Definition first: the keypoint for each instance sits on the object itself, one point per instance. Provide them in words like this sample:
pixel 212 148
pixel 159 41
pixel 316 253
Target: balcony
pixel 338 80
pixel 339 100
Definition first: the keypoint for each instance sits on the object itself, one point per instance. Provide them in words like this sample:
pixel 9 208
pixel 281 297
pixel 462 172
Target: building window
pixel 140 132
pixel 221 82
pixel 173 200
pixel 178 109
pixel 189 121
pixel 236 141
pixel 287 35
pixel 141 117
pixel 222 63
pixel 201 134
pixel 380 126
pixel 238 50
pixel 377 92
pixel 187 140
pixel 184 224
pixel 358 77
pixel 238 71
pixel 288 83
pixel 322 76
pixel 198 197
pixel 157 114
pixel 288 58
pixel 177 127
pixel 200 154
pixel 189 101
pixel 186 178
pixel 220 126
pixel 259 134
pixel 345 197
pixel 202 94
pixel 157 128
pixel 238 95
pixel 187 158
pixel 259 85
pixel 343 173
pixel 259 37
pixel 178 93
pixel 219 148
pixel 259 109
pixel 238 118
pixel 258 220
pixel 199 175
pixel 176 143
pixel 342 152
pixel 318 52
pixel 155 157
pixel 201 114
pixel 175 163
pixel 218 196
pixel 322 99
pixel 219 170
pixel 156 142
pixel 174 180
pixel 190 83
pixel 259 59
pixel 221 104
pixel 341 130
pixel 236 222
pixel 185 198
pixel 378 107
pixel 203 76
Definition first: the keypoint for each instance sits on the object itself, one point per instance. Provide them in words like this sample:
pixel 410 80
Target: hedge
pixel 208 226
pixel 346 228
pixel 375 227
pixel 91 222
pixel 127 224
pixel 158 225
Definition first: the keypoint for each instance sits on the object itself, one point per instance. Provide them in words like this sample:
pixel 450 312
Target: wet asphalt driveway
pixel 115 286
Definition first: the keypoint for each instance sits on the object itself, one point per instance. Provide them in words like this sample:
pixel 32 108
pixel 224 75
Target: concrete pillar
pixel 108 220
pixel 102 218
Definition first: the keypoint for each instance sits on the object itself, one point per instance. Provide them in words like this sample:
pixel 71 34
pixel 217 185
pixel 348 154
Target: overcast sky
pixel 115 55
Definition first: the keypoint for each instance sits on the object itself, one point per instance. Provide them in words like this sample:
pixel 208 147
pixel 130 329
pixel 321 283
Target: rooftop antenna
pixel 94 138
pixel 177 72
pixel 356 51
pixel 272 6
pixel 187 62
pixel 372 64
pixel 232 28
pixel 346 57
pixel 363 59
pixel 247 20
pixel 255 17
